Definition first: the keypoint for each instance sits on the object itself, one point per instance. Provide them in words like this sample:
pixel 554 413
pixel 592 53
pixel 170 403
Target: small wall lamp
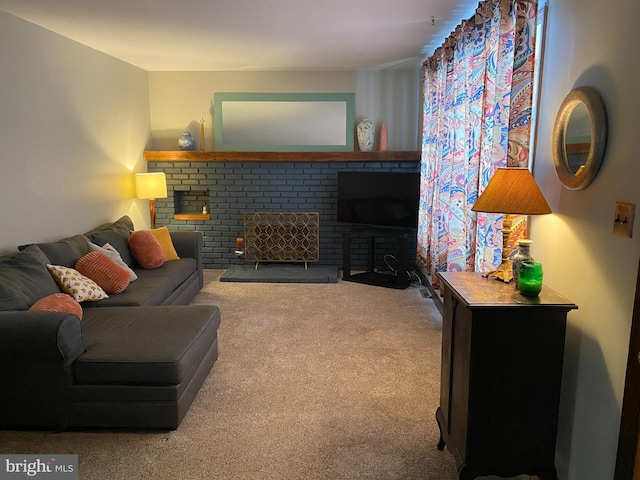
pixel 151 186
pixel 513 192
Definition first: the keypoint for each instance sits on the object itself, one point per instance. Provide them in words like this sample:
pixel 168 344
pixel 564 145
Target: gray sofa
pixel 136 359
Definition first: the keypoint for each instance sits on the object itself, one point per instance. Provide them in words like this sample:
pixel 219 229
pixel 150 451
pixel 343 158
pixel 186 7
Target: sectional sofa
pixel 136 359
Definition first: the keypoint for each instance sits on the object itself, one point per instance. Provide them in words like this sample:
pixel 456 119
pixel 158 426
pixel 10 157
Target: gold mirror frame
pixel 591 99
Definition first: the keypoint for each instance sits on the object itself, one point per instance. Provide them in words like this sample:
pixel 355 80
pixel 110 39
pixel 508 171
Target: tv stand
pixel 400 280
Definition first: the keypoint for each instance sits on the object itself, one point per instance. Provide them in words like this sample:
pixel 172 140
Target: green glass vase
pixel 530 280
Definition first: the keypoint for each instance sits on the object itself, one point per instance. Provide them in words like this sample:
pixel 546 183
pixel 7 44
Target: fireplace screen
pixel 282 237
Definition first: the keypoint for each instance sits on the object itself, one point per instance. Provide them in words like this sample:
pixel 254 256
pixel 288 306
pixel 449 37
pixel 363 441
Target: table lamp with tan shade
pixel 513 192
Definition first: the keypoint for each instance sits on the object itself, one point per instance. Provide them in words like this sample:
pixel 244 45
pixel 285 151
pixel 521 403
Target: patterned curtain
pixel 477 113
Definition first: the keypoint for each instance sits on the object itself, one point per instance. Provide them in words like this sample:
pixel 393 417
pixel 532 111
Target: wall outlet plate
pixel 623 219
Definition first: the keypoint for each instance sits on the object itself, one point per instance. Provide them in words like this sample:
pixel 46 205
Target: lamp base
pixel 152 212
pixel 504 272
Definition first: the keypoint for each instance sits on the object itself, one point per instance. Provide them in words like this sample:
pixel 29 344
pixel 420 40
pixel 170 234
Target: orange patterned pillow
pixel 114 256
pixel 146 249
pixel 102 270
pixel 58 302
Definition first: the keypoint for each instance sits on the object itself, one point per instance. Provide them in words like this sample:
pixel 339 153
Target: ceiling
pixel 211 35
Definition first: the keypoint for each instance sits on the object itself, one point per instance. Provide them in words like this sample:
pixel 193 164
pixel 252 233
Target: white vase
pixel 366 132
pixel 522 255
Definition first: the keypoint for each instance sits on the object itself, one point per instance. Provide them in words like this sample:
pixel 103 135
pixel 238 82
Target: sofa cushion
pixel 116 234
pixel 115 257
pixel 102 270
pixel 153 287
pixel 146 249
pixel 146 345
pixel 64 252
pixel 58 302
pixel 164 238
pixel 82 288
pixel 24 279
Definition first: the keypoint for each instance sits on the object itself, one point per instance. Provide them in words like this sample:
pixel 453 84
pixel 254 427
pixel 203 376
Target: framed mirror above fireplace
pixel 284 122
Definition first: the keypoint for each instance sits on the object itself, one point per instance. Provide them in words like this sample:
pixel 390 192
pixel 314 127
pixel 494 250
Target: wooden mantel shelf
pixel 199 156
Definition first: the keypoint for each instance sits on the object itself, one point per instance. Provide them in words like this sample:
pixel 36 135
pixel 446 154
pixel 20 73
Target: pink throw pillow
pixel 101 269
pixel 58 302
pixel 146 249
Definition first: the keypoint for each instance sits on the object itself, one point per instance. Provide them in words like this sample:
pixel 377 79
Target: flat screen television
pixel 380 199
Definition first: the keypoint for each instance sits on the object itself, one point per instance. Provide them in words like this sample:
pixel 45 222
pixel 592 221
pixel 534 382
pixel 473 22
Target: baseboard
pixel 425 277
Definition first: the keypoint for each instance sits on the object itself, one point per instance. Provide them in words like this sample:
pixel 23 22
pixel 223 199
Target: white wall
pixel 179 98
pixel 393 97
pixel 73 125
pixel 590 42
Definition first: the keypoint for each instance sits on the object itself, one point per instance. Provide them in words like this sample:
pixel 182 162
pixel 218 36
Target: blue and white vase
pixel 523 254
pixel 366 133
pixel 186 142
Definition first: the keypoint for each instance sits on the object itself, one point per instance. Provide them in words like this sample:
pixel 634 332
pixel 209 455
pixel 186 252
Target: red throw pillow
pixel 146 249
pixel 104 271
pixel 58 302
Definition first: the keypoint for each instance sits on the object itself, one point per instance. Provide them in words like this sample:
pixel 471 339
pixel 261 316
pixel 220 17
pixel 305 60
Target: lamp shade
pixel 512 191
pixel 151 185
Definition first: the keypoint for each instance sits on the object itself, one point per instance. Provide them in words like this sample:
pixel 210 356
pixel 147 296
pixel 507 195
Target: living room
pixel 75 123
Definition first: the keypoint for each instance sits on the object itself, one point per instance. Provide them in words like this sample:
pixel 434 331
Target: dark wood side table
pixel 502 357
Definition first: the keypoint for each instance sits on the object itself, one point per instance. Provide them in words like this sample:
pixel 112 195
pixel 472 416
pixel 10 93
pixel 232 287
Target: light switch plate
pixel 623 219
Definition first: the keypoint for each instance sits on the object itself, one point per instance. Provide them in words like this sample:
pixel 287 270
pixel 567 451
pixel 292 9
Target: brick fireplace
pixel 230 188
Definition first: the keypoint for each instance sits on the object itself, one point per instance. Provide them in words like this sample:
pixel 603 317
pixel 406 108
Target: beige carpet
pixel 322 381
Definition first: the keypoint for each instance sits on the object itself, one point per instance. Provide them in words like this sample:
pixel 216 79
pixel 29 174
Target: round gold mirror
pixel 579 138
